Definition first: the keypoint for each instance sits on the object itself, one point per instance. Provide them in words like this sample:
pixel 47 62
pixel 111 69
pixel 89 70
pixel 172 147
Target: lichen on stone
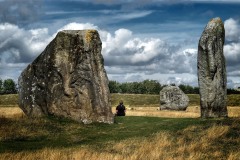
pixel 89 35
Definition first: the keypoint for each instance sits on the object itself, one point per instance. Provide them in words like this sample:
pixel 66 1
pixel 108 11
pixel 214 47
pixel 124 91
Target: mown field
pixel 152 135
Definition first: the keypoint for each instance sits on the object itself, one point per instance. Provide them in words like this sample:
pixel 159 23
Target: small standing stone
pixel 211 70
pixel 173 98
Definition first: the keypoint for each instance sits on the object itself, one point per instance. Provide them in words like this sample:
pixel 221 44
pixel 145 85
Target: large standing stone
pixel 68 79
pixel 211 70
pixel 173 98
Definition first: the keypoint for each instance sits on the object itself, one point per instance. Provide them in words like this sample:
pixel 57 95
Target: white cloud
pixel 77 26
pixel 232 52
pixel 124 54
pixel 132 15
pixel 127 56
pixel 232 30
pixel 20 45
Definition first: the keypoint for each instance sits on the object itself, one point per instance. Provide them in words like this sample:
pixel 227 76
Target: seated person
pixel 120 109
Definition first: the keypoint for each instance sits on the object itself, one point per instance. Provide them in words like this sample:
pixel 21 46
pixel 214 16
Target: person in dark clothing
pixel 120 109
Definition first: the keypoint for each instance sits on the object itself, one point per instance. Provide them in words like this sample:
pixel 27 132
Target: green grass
pixel 135 99
pixel 33 134
pixel 194 99
pixel 234 100
pixel 131 100
pixel 8 100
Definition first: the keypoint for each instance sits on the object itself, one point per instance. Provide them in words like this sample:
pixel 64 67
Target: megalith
pixel 212 71
pixel 173 98
pixel 68 79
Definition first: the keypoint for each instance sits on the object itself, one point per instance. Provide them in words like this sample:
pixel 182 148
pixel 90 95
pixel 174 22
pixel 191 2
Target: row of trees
pixel 8 86
pixel 146 87
pixel 152 87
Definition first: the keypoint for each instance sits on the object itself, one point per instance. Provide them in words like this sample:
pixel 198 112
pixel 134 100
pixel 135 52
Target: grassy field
pixel 145 133
pixel 131 99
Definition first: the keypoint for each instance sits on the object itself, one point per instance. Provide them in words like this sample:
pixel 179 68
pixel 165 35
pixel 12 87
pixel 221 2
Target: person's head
pixel 121 102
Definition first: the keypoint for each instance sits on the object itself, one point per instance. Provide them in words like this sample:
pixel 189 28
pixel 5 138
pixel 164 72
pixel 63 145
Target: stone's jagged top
pixel 215 25
pixel 93 31
pixel 216 20
pixel 211 70
pixel 68 79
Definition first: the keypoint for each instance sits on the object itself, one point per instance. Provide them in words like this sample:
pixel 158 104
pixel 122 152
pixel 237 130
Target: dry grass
pixel 191 112
pixel 233 111
pixel 195 142
pixel 11 112
pixel 160 146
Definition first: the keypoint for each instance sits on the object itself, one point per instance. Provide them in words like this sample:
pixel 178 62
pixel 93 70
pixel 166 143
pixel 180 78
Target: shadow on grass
pixel 34 134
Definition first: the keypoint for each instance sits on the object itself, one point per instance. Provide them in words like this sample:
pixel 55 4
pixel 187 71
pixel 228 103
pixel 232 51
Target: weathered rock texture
pixel 173 98
pixel 211 70
pixel 68 79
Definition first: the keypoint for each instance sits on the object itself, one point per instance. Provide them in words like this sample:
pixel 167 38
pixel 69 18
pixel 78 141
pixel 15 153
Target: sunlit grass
pixel 199 139
pixel 145 133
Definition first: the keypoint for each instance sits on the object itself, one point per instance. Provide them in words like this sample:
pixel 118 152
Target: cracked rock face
pixel 173 98
pixel 68 79
pixel 211 70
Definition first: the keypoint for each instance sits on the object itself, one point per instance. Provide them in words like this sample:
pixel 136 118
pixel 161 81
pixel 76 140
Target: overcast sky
pixel 142 39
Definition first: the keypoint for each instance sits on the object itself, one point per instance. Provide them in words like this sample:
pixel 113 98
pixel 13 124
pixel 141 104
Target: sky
pixel 141 39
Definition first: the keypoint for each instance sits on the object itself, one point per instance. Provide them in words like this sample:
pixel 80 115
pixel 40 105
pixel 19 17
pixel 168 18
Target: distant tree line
pixel 8 86
pixel 146 87
pixel 232 91
pixel 187 89
pixel 152 87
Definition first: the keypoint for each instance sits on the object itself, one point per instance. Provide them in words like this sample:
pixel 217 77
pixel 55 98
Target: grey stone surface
pixel 173 98
pixel 211 70
pixel 68 79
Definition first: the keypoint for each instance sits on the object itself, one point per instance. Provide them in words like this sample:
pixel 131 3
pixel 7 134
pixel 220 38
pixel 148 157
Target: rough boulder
pixel 173 98
pixel 68 79
pixel 211 70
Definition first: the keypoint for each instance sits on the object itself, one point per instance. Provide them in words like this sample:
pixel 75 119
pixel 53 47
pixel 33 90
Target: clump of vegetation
pixel 145 87
pixel 8 86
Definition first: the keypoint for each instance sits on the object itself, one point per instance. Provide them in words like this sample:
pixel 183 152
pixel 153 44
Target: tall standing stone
pixel 211 70
pixel 68 79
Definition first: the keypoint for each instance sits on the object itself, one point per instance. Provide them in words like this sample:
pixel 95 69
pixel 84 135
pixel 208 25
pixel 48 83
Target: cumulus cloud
pixel 127 57
pixel 77 26
pixel 232 54
pixel 19 45
pixel 124 53
pixel 232 51
pixel 148 55
pixel 232 30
